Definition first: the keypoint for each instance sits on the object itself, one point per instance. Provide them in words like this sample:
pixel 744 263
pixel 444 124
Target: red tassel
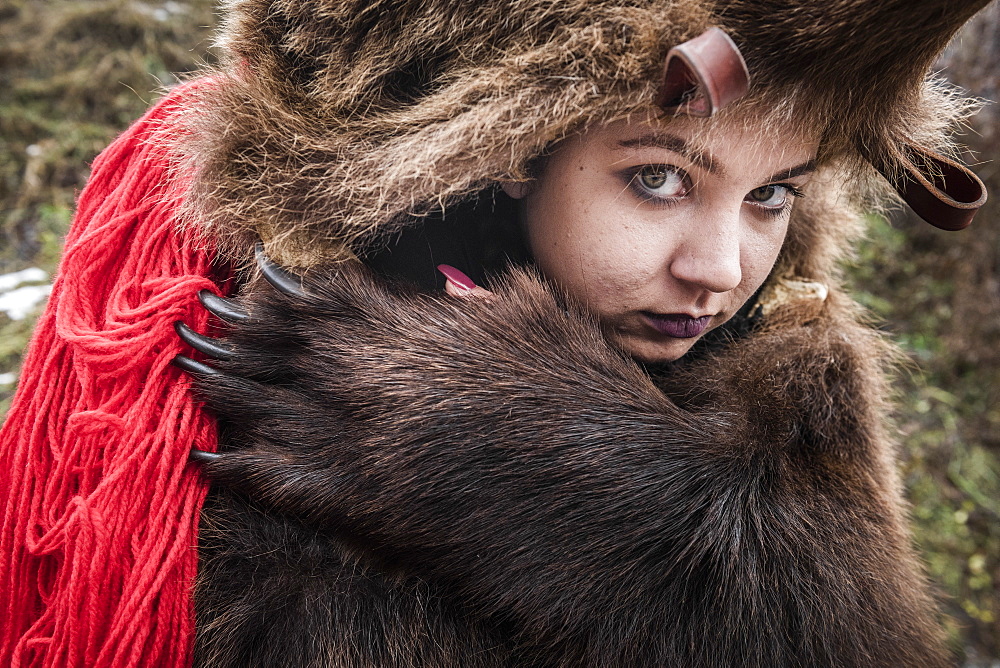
pixel 97 551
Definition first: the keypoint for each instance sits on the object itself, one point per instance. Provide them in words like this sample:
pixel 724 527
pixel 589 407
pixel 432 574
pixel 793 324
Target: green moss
pixel 74 75
pixel 951 474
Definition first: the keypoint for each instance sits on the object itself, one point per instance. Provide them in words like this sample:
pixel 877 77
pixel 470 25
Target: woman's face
pixel 663 229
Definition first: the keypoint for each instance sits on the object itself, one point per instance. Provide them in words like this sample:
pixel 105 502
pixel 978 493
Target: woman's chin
pixel 656 351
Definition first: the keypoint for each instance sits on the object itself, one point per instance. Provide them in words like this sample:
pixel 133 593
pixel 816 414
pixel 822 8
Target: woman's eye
pixel 662 181
pixel 771 197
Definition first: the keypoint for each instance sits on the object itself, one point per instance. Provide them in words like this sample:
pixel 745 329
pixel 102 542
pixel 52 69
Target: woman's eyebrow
pixel 797 170
pixel 674 143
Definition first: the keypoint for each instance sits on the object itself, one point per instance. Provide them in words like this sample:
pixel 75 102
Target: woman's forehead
pixel 713 144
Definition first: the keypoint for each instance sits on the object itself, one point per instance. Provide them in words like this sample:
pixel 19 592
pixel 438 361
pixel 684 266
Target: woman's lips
pixel 677 325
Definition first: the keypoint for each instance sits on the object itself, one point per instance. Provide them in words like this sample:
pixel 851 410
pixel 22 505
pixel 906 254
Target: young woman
pixel 648 430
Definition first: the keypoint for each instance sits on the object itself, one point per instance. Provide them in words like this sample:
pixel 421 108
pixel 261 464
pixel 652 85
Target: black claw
pixel 203 457
pixel 203 344
pixel 225 309
pixel 193 367
pixel 282 280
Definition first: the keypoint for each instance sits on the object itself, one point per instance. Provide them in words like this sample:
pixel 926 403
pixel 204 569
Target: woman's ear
pixel 516 189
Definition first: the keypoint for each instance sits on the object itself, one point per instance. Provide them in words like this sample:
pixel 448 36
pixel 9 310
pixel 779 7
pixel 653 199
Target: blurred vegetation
pixel 948 416
pixel 73 74
pixel 939 293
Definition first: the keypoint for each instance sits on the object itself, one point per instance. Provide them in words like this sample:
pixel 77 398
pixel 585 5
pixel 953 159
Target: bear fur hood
pixel 761 469
pixel 334 124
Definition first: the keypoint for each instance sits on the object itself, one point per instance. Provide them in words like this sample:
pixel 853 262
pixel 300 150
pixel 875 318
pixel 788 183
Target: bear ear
pixel 703 75
pixel 940 190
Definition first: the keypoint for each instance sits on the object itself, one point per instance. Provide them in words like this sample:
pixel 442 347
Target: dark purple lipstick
pixel 677 325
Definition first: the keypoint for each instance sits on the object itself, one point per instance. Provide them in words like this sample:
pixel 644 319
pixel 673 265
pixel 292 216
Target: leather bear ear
pixel 943 192
pixel 703 75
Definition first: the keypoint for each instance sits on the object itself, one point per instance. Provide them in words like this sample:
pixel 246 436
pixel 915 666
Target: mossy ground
pixel 73 74
pixel 948 415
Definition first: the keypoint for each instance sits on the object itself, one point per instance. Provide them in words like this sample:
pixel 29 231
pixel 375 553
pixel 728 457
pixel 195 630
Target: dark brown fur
pixel 442 483
pixel 418 482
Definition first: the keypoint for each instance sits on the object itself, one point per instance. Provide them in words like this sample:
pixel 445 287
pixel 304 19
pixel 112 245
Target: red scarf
pixel 97 553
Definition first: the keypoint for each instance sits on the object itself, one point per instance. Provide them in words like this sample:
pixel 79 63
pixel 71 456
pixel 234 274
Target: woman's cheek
pixel 617 263
pixel 760 252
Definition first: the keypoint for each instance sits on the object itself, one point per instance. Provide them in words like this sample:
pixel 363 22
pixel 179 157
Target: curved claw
pixel 282 280
pixel 224 309
pixel 193 367
pixel 203 456
pixel 204 344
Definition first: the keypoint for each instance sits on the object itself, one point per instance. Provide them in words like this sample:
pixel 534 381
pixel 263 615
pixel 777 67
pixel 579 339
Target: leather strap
pixel 943 192
pixel 703 75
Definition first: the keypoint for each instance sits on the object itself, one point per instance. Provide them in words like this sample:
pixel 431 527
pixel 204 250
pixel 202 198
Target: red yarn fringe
pixel 97 553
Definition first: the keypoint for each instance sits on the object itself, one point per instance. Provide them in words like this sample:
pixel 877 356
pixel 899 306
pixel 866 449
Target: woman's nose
pixel 709 256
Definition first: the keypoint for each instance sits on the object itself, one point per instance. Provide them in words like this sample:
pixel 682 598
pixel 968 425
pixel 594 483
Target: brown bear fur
pixel 411 481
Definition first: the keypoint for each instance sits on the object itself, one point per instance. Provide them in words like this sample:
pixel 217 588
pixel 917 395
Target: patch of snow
pixel 19 303
pixel 162 13
pixel 32 275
